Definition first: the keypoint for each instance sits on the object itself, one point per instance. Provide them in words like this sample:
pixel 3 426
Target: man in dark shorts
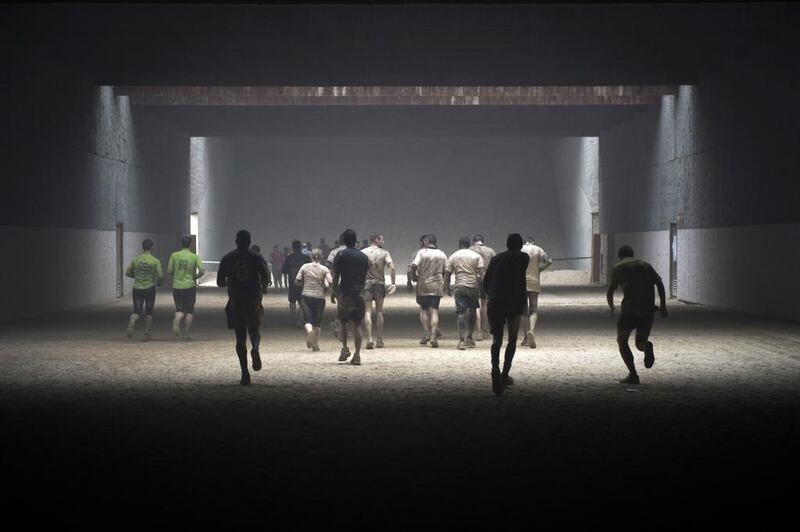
pixel 482 320
pixel 291 266
pixel 349 277
pixel 427 269
pixel 375 288
pixel 637 278
pixel 147 274
pixel 277 264
pixel 186 268
pixel 504 283
pixel 245 275
pixel 467 267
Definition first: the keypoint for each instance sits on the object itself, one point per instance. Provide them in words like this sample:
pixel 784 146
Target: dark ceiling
pixel 549 44
pixel 325 45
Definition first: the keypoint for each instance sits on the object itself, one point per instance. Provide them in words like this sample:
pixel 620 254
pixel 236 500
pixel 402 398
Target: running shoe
pixel 379 343
pixel 630 379
pixel 356 360
pixel 344 355
pixel 497 382
pixel 256 360
pixel 649 356
pixel 470 342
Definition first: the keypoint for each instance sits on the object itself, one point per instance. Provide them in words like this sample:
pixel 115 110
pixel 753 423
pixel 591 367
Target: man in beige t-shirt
pixel 539 262
pixel 375 288
pixel 427 270
pixel 482 320
pixel 468 268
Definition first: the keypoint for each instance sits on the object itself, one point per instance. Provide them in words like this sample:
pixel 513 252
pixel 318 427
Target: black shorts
pixel 628 322
pixel 351 308
pixel 244 313
pixel 426 302
pixel 184 299
pixel 313 307
pixel 295 293
pixel 373 292
pixel 499 316
pixel 466 298
pixel 144 299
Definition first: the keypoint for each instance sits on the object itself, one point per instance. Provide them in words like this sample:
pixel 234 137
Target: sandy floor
pixel 90 415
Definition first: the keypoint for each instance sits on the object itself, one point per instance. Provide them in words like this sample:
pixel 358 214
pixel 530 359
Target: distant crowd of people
pixel 492 292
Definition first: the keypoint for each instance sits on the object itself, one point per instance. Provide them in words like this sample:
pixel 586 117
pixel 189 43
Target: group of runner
pixel 491 292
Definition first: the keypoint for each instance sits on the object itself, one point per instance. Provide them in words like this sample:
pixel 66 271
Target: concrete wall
pixel 307 188
pixel 575 169
pixel 211 174
pixel 719 160
pixel 77 161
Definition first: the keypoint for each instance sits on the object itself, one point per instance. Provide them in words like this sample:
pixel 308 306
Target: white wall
pixel 54 269
pixel 748 268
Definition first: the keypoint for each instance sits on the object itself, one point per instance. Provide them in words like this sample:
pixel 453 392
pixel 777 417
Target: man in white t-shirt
pixel 482 320
pixel 314 278
pixel 539 262
pixel 427 270
pixel 468 268
pixel 375 288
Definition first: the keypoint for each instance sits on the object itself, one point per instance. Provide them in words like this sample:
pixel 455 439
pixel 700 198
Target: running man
pixel 349 277
pixel 313 278
pixel 276 257
pixel 539 262
pixel 291 266
pixel 636 277
pixel 468 268
pixel 147 274
pixel 505 285
pixel 324 248
pixel 427 270
pixel 245 276
pixel 481 321
pixel 186 268
pixel 329 263
pixel 376 289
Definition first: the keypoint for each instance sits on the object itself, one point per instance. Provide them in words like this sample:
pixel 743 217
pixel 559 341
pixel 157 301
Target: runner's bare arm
pixel 662 295
pixel 612 285
pixel 546 262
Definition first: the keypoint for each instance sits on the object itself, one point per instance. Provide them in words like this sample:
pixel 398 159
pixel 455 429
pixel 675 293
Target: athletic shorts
pixel 466 298
pixel 533 303
pixel 245 313
pixel 351 308
pixel 184 299
pixel 498 316
pixel 426 302
pixel 295 293
pixel 628 322
pixel 373 292
pixel 313 307
pixel 144 299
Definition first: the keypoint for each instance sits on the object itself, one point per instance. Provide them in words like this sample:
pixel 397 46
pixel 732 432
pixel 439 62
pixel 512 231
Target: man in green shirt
pixel 146 273
pixel 185 268
pixel 637 279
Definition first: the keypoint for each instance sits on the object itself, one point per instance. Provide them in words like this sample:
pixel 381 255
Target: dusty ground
pixel 95 422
